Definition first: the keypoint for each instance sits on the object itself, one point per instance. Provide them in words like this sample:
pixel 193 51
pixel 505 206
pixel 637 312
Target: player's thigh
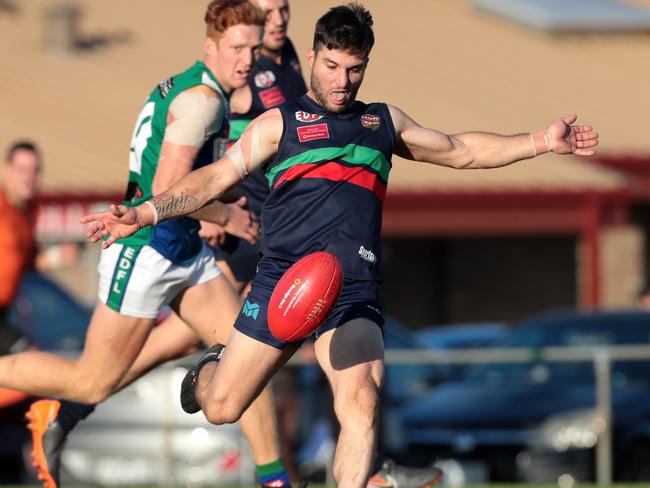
pixel 113 341
pixel 246 367
pixel 171 339
pixel 209 309
pixel 351 355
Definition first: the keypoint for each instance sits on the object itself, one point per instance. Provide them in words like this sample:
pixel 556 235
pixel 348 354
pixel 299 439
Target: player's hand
pixel 117 222
pixel 566 138
pixel 212 233
pixel 241 222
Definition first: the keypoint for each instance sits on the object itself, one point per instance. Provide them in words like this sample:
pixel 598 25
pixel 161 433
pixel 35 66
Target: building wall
pixel 622 265
pixel 434 281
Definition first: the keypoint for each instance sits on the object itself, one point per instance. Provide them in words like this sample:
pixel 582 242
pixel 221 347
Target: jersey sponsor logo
pixel 165 87
pixel 367 255
pixel 264 79
pixel 307 117
pixel 251 309
pixel 308 133
pixel 272 97
pixel 370 121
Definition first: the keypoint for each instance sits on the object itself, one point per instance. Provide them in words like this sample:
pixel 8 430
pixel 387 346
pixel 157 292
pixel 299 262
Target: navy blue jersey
pixel 271 84
pixel 328 183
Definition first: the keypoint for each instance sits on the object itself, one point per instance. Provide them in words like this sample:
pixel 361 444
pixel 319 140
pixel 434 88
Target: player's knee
pixel 221 411
pixel 357 406
pixel 93 390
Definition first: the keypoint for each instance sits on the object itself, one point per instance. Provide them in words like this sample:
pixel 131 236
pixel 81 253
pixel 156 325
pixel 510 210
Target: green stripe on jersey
pixel 121 276
pixel 237 128
pixel 352 153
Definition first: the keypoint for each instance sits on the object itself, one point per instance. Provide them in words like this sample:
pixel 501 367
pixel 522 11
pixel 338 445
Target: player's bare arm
pixel 192 118
pixel 241 100
pixel 256 146
pixel 485 149
pixel 199 188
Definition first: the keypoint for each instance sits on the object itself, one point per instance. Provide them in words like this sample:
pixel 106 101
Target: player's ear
pixel 311 55
pixel 210 47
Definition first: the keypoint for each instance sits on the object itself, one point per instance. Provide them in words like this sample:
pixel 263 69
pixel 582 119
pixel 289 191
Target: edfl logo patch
pixel 251 309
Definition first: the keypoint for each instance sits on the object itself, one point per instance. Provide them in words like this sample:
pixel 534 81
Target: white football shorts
pixel 139 281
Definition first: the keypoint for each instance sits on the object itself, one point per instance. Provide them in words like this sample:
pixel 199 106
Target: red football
pixel 304 295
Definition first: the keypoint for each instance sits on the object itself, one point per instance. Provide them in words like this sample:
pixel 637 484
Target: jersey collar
pixel 213 78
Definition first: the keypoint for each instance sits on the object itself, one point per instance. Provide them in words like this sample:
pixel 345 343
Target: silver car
pixel 142 436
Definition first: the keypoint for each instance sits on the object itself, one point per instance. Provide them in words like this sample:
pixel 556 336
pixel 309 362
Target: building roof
pixel 448 65
pixel 573 16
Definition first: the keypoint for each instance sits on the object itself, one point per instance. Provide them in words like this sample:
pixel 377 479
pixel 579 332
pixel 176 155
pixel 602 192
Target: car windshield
pixel 585 330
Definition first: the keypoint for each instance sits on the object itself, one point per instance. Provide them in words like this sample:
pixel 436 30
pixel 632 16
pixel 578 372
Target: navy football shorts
pixel 358 299
pixel 240 255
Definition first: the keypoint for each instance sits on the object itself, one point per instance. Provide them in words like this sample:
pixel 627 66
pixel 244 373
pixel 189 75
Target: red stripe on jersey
pixel 336 172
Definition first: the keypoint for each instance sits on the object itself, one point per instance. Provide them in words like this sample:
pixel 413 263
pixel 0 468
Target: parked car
pixel 141 436
pixel 459 336
pixel 536 421
pixel 404 383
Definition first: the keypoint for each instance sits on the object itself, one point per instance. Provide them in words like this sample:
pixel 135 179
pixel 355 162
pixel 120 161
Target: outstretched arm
pixel 485 149
pixel 199 188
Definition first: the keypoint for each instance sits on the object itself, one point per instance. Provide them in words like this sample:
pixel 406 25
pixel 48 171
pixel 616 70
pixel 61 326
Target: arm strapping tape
pixel 236 156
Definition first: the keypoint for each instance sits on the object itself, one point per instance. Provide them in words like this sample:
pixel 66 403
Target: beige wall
pixel 622 265
pixel 447 65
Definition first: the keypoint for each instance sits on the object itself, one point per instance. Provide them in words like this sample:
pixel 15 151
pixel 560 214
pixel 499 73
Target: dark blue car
pixel 536 421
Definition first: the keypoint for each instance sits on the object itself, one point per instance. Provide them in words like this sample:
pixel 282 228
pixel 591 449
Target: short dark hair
pixel 221 14
pixel 21 146
pixel 346 27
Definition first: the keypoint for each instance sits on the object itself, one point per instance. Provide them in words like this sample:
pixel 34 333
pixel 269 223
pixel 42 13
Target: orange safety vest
pixel 17 247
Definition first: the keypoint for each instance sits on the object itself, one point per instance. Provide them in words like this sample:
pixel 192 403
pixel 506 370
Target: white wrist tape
pixel 532 143
pixel 153 211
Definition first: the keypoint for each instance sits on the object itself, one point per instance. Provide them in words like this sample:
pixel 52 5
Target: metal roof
pixel 570 15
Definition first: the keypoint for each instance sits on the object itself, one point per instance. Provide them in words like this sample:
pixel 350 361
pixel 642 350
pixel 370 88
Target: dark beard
pixel 322 99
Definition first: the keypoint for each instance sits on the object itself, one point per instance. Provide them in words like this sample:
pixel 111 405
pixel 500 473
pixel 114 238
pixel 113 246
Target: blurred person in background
pixel 18 248
pixel 176 131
